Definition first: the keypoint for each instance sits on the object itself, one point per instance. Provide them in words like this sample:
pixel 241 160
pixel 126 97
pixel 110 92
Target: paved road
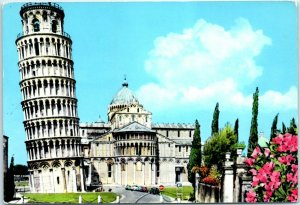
pixel 128 196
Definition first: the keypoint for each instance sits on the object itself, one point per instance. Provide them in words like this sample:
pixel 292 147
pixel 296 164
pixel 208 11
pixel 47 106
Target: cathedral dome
pixel 125 96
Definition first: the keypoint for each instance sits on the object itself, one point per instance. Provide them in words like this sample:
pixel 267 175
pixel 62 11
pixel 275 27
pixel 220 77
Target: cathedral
pixel 67 156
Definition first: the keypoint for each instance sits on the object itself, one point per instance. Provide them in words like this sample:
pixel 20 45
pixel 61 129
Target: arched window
pixel 109 170
pixel 45 16
pixel 54 26
pixel 138 166
pixel 36 25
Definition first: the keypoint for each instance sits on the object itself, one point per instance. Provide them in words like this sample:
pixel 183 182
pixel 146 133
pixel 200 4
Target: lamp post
pixel 227 156
pixel 197 176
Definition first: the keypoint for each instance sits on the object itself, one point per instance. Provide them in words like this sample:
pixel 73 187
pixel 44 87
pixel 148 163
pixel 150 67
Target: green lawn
pixel 24 183
pixel 71 197
pixel 172 191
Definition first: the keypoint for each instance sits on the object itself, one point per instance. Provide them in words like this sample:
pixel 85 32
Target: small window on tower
pixel 45 16
pixel 54 26
pixel 109 170
pixel 36 25
pixel 123 168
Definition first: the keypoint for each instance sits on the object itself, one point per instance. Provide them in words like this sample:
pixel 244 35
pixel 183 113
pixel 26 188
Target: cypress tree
pixel 293 127
pixel 236 129
pixel 195 154
pixel 274 127
pixel 253 138
pixel 9 184
pixel 215 121
pixel 283 128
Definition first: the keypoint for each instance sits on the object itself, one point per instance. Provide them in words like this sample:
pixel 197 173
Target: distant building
pixel 5 153
pixel 65 156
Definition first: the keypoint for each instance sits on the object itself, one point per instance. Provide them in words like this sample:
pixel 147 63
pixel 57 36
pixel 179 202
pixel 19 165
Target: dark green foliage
pixel 253 138
pixel 9 184
pixel 236 129
pixel 293 127
pixel 20 169
pixel 195 154
pixel 274 128
pixel 215 121
pixel 283 129
pixel 217 145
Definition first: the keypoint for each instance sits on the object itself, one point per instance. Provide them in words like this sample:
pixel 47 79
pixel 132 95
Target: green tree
pixel 195 154
pixel 253 138
pixel 9 184
pixel 20 169
pixel 215 121
pixel 236 129
pixel 216 146
pixel 274 127
pixel 283 128
pixel 293 127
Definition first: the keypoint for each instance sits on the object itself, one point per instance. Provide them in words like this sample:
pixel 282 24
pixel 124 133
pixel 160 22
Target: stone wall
pixel 208 194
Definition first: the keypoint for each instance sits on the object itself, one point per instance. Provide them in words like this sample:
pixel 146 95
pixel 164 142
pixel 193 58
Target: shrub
pixel 211 181
pixel 275 171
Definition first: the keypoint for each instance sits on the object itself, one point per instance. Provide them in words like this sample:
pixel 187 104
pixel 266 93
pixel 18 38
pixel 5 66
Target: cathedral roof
pixel 125 96
pixel 134 127
pixel 173 126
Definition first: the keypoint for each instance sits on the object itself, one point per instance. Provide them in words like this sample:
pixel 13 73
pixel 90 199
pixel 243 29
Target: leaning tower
pixel 49 102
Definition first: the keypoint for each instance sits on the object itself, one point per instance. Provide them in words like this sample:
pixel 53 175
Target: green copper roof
pixel 262 142
pixel 125 96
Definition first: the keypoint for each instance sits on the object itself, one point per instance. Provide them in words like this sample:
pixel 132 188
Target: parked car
pixel 154 190
pixel 144 189
pixel 134 188
pixel 128 187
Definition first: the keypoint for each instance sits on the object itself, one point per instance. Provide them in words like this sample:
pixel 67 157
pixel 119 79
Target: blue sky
pixel 179 58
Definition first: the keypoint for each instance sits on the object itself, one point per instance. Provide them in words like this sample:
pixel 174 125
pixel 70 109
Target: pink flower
pixel 295 167
pixel 253 172
pixel 275 176
pixel 289 177
pixel 255 181
pixel 286 159
pixel 278 140
pixel 249 161
pixel 294 144
pixel 251 196
pixel 282 148
pixel 292 178
pixel 256 152
pixel 268 167
pixel 293 197
pixel 266 198
pixel 267 152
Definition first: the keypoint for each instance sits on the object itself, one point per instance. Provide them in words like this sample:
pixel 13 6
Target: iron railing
pixel 65 34
pixel 55 5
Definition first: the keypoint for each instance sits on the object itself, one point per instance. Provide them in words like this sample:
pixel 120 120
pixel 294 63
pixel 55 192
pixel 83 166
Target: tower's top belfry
pixel 42 17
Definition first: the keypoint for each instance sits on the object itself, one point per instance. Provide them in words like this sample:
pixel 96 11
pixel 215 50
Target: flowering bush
pixel 204 171
pixel 275 171
pixel 211 180
pixel 213 177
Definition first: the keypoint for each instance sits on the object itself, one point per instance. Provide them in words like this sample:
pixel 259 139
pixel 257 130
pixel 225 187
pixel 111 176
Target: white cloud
pixel 206 64
pixel 280 101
